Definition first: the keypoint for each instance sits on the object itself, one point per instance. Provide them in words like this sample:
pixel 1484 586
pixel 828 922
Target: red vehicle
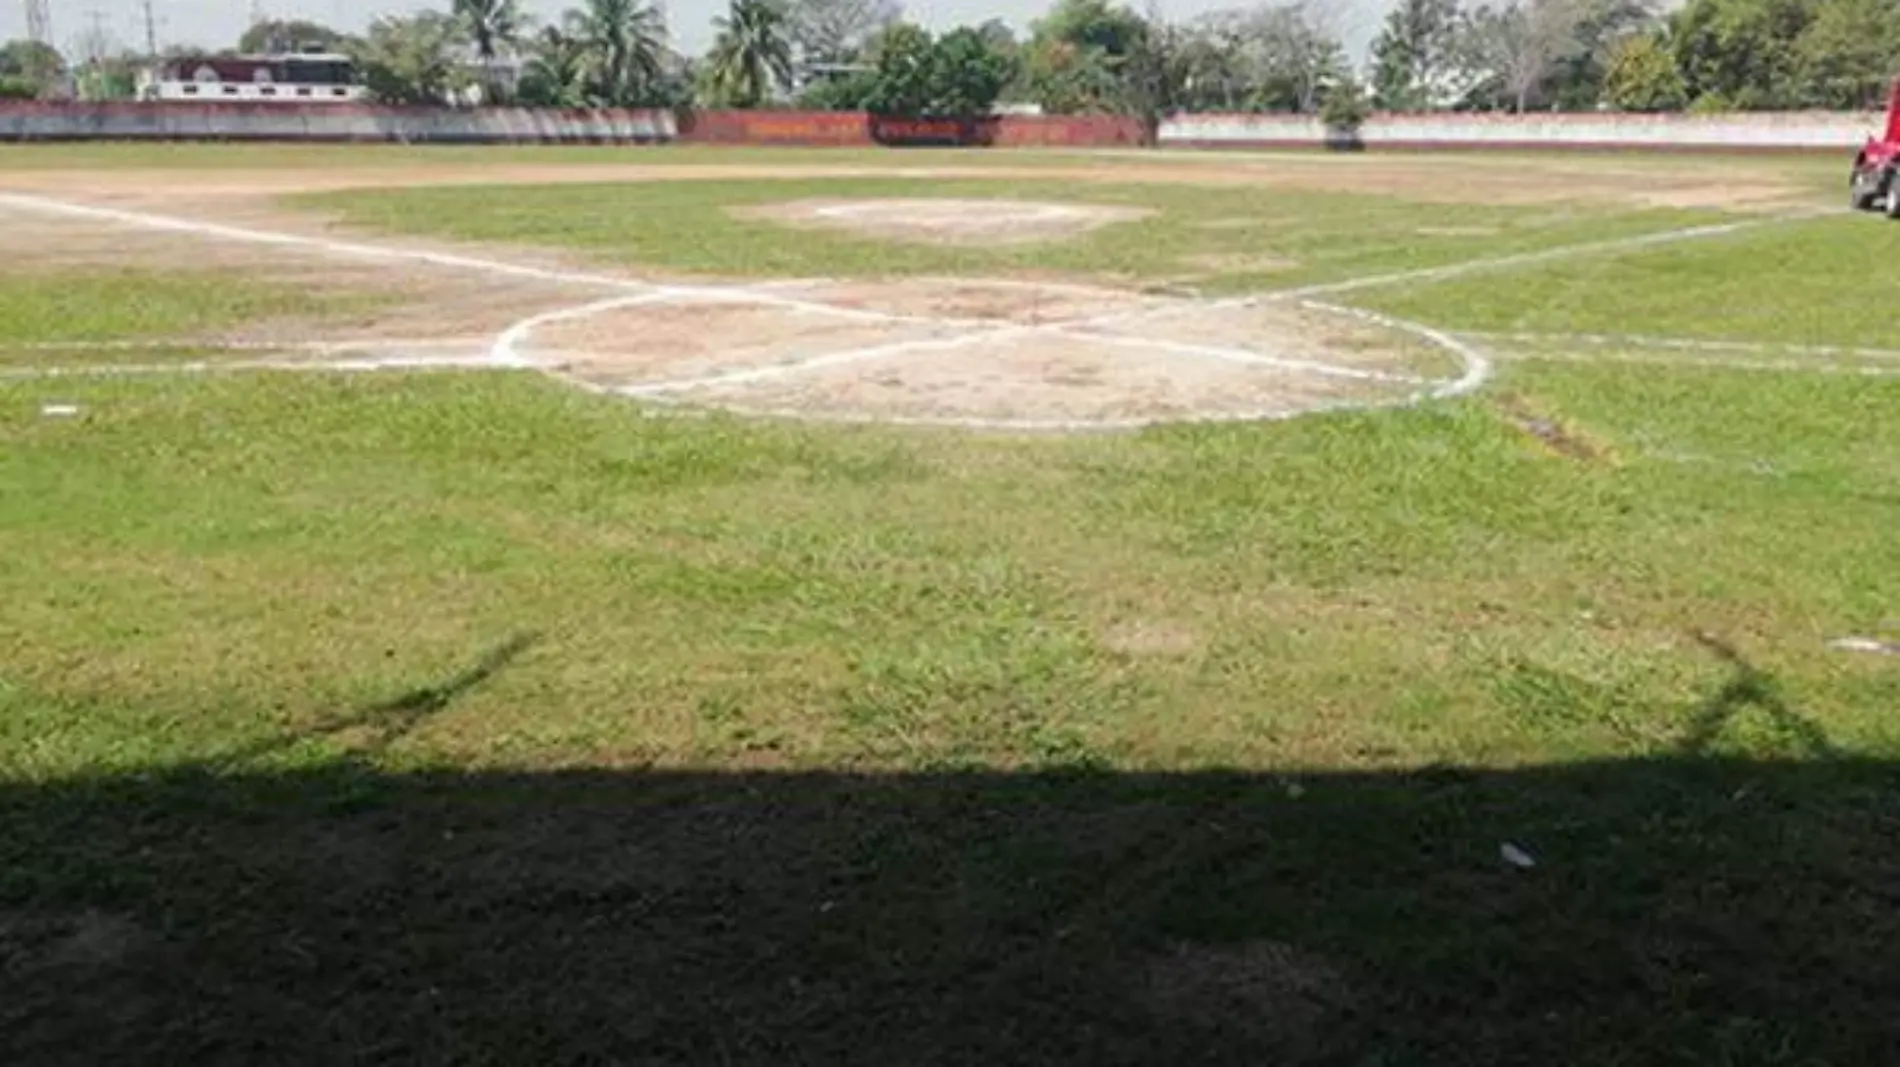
pixel 1876 178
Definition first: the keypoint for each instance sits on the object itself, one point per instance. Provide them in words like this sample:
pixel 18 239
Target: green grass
pixel 73 307
pixel 284 616
pixel 883 600
pixel 476 718
pixel 688 226
pixel 1812 283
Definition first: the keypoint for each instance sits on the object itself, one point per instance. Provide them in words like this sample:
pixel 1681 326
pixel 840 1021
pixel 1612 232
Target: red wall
pixel 1024 131
pixel 236 120
pixel 853 128
pixel 833 128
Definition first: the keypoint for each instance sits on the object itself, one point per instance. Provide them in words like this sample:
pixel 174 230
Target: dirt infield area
pixel 998 354
pixel 947 220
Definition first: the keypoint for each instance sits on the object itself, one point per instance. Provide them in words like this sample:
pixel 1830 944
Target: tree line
pixel 1098 56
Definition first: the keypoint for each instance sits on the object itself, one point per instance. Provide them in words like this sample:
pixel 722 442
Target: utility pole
pixel 39 22
pixel 151 32
pixel 95 42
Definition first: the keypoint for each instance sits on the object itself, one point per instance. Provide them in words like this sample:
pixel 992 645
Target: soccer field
pixel 692 605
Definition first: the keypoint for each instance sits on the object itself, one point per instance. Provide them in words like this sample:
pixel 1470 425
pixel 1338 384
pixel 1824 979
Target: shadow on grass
pixel 381 725
pixel 1682 910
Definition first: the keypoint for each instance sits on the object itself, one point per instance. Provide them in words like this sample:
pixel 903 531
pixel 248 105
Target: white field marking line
pixel 1238 355
pixel 1478 370
pixel 1588 248
pixel 1474 266
pixel 200 228
pixel 503 350
pixel 1014 212
pixel 1685 344
pixel 665 292
pixel 341 366
pixel 1778 365
pixel 244 346
pixel 830 359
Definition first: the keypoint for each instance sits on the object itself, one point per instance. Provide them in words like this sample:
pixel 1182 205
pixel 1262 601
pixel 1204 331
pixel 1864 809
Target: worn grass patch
pixel 1310 237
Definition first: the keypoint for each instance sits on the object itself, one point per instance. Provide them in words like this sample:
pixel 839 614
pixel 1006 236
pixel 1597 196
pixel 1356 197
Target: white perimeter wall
pixel 328 122
pixel 1811 130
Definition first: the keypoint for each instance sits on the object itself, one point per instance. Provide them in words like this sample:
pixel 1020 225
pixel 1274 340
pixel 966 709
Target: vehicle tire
pixel 1891 203
pixel 1865 190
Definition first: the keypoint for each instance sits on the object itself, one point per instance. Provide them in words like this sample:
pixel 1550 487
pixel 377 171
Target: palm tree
pixel 559 69
pixel 752 53
pixel 625 41
pixel 490 24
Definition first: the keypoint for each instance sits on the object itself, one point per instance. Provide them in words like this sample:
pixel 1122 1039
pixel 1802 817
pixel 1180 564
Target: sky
pixel 217 23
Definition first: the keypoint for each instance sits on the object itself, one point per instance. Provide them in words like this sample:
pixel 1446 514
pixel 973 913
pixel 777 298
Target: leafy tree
pixel 1066 79
pixel 30 65
pixel 958 75
pixel 969 73
pixel 906 78
pixel 752 54
pixel 851 92
pixel 1575 82
pixel 837 31
pixel 412 60
pixel 624 42
pixel 109 77
pixel 1089 56
pixel 291 35
pixel 1642 76
pixel 1345 109
pixel 1415 55
pixel 1849 54
pixel 15 87
pixel 1741 52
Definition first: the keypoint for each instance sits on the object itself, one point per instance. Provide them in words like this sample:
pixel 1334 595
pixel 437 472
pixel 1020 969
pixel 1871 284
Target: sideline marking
pixel 1479 266
pixel 1797 366
pixel 343 366
pixel 480 342
pixel 201 228
pixel 1686 344
pixel 504 352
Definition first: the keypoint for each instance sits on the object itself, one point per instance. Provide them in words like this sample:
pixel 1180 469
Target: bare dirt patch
pixel 1008 356
pixel 1458 231
pixel 1740 185
pixel 1240 263
pixel 1150 637
pixel 999 353
pixel 948 221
